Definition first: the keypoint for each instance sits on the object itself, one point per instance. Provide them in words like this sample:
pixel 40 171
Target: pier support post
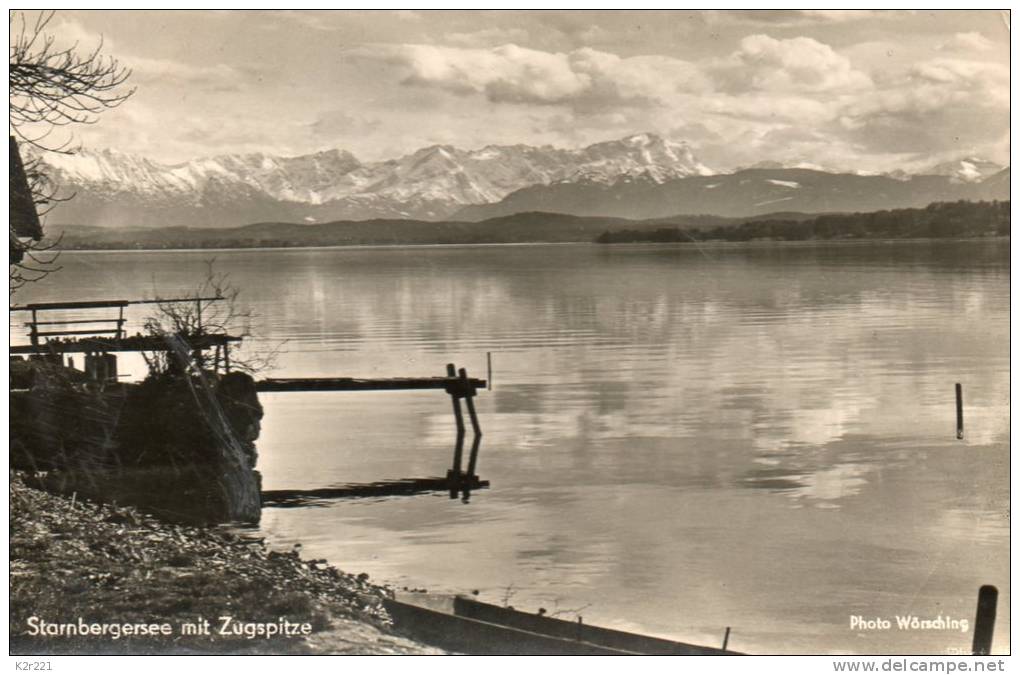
pixel 469 401
pixel 984 624
pixel 959 411
pixel 454 474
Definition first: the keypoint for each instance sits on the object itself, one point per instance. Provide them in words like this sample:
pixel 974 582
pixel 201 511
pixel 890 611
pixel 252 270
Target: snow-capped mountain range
pixel 640 176
pixel 116 189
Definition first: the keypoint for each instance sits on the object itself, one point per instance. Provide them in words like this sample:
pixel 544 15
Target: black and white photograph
pixel 576 332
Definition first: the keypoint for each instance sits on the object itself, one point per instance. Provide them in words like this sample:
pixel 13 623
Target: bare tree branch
pixel 52 88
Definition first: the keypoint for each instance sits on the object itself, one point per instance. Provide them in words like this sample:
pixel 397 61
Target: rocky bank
pixel 77 562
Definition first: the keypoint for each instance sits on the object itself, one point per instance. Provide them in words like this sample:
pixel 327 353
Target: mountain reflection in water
pixel 678 439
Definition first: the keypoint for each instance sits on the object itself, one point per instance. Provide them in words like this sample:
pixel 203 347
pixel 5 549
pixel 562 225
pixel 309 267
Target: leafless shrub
pixel 210 309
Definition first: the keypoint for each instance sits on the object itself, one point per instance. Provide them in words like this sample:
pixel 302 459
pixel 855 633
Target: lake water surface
pixel 679 439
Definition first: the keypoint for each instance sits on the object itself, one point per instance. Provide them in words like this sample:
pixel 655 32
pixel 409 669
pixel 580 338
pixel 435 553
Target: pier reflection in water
pixel 678 439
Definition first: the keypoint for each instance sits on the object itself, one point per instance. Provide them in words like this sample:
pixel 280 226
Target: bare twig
pixel 52 88
pixel 190 317
pixel 557 611
pixel 508 593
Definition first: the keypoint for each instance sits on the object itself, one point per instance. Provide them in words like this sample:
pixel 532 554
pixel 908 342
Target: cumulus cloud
pixel 938 105
pixel 143 128
pixel 775 108
pixel 513 74
pixel 967 42
pixel 795 64
pixel 977 82
pixel 784 98
pixel 70 34
pixel 793 100
pixel 212 77
pixel 589 77
pixel 654 79
pixel 506 73
pixel 749 86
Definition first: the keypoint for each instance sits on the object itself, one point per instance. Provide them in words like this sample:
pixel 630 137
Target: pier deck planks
pixel 364 384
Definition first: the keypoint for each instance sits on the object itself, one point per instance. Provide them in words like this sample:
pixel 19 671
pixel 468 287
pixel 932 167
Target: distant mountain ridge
pixel 750 192
pixel 121 190
pixel 638 177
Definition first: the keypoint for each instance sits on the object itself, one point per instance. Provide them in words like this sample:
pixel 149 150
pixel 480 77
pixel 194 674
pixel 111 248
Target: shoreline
pixel 755 244
pixel 804 243
pixel 90 578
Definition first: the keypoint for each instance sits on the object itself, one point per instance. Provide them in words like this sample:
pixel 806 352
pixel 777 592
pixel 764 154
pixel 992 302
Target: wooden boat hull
pixel 571 630
pixel 470 627
pixel 469 636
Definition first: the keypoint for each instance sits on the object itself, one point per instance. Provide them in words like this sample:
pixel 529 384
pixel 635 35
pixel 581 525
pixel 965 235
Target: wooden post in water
pixel 469 401
pixel 458 451
pixel 488 360
pixel 984 624
pixel 959 411
pixel 726 638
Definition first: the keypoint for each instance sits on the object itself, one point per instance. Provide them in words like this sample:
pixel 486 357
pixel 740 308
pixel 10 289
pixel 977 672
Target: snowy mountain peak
pixel 966 169
pixel 641 154
pixel 646 138
pixel 431 182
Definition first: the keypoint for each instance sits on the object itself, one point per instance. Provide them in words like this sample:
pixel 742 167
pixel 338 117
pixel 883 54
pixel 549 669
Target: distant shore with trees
pixel 940 220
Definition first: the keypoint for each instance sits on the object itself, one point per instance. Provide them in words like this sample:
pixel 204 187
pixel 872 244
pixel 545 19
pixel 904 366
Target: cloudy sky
pixel 840 89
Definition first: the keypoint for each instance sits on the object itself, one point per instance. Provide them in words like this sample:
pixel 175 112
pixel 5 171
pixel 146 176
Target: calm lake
pixel 679 439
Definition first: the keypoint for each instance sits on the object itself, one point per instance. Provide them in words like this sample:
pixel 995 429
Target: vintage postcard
pixel 575 332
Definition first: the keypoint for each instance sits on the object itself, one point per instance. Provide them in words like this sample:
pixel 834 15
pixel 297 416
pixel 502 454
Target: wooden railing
pixel 75 327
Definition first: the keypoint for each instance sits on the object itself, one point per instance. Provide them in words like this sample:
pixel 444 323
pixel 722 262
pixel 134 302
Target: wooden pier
pixel 52 336
pixel 448 384
pixel 387 488
pixel 99 337
pixel 456 384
